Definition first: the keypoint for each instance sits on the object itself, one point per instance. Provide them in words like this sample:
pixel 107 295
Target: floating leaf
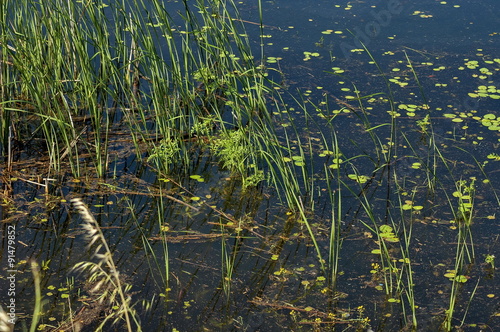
pixel 416 165
pixel 197 178
pixel 385 229
pixel 358 178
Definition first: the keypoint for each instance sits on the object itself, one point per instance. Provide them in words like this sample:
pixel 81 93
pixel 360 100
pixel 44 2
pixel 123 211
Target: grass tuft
pixel 103 274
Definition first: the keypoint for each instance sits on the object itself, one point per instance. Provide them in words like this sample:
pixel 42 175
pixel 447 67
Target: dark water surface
pixel 275 268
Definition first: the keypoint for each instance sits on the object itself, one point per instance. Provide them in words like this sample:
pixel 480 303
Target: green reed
pixel 389 224
pixel 228 257
pixel 463 213
pixel 203 92
pixel 335 237
pixel 403 223
pixel 102 60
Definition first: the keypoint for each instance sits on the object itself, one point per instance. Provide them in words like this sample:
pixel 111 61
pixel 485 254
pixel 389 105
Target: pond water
pixel 201 253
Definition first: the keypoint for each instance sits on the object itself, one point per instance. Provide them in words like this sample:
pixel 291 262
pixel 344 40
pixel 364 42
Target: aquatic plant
pixel 284 179
pixel 464 215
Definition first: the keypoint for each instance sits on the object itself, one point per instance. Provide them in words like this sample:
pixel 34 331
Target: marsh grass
pixel 203 90
pixel 463 213
pixel 392 226
pixel 91 58
pixel 335 237
pixel 228 262
pixel 186 89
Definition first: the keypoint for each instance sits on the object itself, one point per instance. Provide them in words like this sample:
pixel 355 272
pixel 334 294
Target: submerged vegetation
pixel 215 192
